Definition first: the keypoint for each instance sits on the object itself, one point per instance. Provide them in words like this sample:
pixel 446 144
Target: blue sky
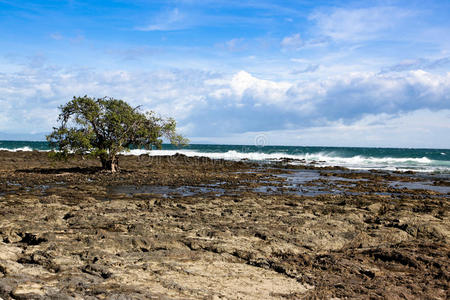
pixel 336 73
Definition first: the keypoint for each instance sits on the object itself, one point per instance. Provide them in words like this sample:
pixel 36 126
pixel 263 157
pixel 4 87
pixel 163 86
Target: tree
pixel 104 127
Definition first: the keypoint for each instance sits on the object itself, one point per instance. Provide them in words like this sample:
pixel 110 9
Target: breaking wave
pixel 322 159
pixel 26 148
pixel 419 160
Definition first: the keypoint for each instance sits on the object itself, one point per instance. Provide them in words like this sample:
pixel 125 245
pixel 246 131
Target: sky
pixel 313 73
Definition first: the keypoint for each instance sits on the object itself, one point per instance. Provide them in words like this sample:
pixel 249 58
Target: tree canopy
pixel 103 127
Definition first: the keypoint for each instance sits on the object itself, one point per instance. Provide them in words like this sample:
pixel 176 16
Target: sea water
pixel 402 159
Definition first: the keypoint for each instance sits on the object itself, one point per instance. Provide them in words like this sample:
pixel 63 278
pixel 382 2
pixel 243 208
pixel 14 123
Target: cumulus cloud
pixel 171 93
pixel 350 96
pixel 209 104
pixel 243 86
pixel 413 129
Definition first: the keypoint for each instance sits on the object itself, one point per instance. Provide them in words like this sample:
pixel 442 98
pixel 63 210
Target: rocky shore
pixel 195 228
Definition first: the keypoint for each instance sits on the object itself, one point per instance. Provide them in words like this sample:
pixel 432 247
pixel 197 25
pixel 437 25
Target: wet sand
pixel 195 228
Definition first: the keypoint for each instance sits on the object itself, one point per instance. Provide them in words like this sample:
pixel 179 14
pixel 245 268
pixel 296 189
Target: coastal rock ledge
pixel 195 228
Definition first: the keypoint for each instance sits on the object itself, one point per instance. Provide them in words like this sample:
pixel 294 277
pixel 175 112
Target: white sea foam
pixel 422 164
pixel 26 148
pixel 323 159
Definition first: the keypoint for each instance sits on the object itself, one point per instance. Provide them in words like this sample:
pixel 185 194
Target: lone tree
pixel 104 127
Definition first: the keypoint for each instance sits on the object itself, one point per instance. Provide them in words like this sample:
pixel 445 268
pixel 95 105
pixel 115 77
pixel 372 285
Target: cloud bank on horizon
pixel 315 73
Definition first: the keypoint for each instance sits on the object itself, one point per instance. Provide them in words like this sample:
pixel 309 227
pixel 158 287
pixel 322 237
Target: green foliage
pixel 104 127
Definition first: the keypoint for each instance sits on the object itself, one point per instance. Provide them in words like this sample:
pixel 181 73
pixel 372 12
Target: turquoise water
pixel 424 160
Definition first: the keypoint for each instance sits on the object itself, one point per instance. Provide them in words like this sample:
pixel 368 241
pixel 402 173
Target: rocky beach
pixel 178 227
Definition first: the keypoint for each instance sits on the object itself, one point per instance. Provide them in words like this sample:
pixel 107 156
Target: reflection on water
pixel 165 191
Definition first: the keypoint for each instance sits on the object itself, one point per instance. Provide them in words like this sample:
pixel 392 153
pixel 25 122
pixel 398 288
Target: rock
pixel 79 239
pixel 10 235
pixel 9 252
pixel 375 208
pixel 28 290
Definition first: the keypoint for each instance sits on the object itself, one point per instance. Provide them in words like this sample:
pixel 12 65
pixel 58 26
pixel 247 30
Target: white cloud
pixel 420 129
pixel 244 86
pixel 354 94
pixel 212 104
pixel 358 24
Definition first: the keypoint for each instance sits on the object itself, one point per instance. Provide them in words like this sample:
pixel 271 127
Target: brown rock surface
pixel 190 228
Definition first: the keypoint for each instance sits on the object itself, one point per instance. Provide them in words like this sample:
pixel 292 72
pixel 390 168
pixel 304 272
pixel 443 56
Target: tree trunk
pixel 110 164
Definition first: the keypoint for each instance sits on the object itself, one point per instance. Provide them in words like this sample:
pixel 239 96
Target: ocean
pixel 392 159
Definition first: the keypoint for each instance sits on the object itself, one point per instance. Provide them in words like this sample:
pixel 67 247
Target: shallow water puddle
pixel 303 191
pixel 293 183
pixel 297 183
pixel 300 176
pixel 165 191
pixel 336 178
pixel 421 185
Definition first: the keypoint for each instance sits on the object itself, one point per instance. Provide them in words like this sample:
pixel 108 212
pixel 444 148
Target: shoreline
pixel 430 161
pixel 194 227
